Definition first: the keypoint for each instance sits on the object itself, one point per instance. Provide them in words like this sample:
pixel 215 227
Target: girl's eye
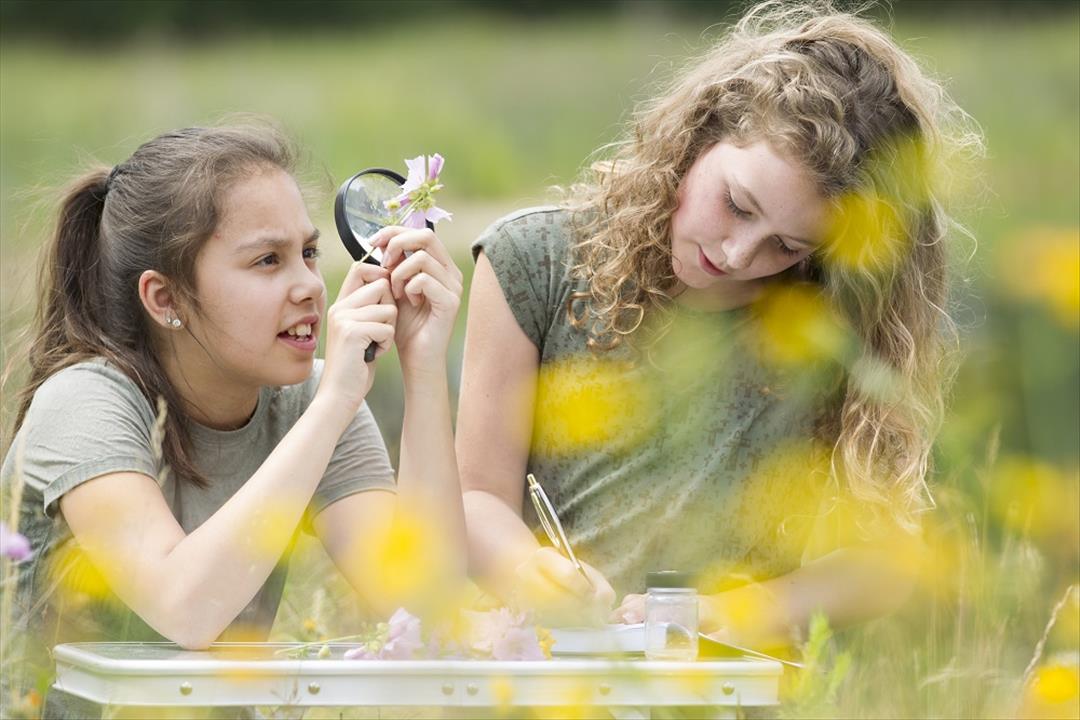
pixel 267 260
pixel 735 209
pixel 784 248
pixel 311 253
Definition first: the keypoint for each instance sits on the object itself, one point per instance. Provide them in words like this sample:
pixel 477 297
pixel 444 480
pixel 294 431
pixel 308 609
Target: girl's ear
pixel 158 299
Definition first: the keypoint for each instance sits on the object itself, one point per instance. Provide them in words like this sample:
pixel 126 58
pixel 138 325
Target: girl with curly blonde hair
pixel 727 351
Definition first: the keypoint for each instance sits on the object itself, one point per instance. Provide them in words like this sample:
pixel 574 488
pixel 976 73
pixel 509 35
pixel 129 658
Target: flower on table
pixel 13 545
pixel 503 634
pixel 397 639
pixel 416 203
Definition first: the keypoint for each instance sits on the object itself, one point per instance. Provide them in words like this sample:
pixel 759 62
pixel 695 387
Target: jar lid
pixel 669 579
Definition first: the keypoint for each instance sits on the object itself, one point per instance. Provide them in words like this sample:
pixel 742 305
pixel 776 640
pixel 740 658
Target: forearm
pixel 217 568
pixel 498 542
pixel 428 485
pixel 848 586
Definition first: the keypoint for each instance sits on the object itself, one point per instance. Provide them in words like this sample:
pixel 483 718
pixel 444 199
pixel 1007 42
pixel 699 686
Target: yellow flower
pixel 798 326
pixel 588 403
pixel 1057 684
pixel 1043 265
pixel 546 640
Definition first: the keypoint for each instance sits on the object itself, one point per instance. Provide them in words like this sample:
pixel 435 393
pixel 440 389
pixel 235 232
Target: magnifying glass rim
pixel 341 219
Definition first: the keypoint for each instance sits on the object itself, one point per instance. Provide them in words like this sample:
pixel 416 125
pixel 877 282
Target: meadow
pixel 516 107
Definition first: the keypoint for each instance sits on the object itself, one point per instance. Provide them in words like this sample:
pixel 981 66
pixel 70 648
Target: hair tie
pixel 112 176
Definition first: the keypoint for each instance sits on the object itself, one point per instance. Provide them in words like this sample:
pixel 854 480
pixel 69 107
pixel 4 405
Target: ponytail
pixel 67 322
pixel 153 211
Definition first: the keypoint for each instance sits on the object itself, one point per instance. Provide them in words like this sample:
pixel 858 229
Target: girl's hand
pixel 427 288
pixel 550 586
pixel 364 313
pixel 630 611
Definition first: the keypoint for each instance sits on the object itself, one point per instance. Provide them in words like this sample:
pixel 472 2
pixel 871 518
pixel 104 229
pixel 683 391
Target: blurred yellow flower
pixel 1057 684
pixel 546 640
pixel 798 325
pixel 865 234
pixel 502 692
pixel 1053 691
pixel 1043 265
pixel 869 229
pixel 408 561
pixel 588 403
pixel 76 577
pixel 1036 498
pixel 270 530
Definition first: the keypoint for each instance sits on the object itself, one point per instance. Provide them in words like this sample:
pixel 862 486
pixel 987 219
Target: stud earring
pixel 174 322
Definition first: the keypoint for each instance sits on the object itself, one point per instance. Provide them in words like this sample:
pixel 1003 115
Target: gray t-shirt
pixel 696 456
pixel 90 419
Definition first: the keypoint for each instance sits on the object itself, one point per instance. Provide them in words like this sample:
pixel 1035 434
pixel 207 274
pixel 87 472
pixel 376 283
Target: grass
pixel 517 107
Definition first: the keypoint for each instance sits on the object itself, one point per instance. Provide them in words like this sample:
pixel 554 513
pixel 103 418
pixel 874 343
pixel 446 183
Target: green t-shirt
pixel 89 420
pixel 695 456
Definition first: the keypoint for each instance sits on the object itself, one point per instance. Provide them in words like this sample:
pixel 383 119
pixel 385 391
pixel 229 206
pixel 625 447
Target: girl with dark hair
pixel 177 431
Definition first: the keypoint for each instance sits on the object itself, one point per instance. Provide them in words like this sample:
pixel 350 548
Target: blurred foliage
pixel 105 21
pixel 516 97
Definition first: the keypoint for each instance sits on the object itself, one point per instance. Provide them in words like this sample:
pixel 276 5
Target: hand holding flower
pixel 427 287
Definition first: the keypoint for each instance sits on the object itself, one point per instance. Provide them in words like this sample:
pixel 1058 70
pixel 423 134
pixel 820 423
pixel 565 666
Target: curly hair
pixel 878 135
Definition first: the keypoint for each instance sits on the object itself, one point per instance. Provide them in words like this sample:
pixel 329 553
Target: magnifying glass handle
pixel 369 354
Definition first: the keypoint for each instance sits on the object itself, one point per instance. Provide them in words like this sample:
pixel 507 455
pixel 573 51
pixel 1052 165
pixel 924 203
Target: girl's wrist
pixel 424 375
pixel 331 411
pixel 711 615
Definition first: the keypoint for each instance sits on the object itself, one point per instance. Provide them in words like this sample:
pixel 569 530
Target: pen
pixel 554 529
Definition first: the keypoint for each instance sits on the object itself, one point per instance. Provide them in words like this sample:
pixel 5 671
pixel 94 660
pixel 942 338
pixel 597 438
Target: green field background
pixel 517 104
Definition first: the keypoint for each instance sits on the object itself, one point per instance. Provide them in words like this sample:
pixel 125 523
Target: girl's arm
pixel 495 410
pixel 358 531
pixel 849 585
pixel 189 587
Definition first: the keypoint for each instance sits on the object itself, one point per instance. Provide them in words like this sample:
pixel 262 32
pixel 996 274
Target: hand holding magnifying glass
pixel 372 199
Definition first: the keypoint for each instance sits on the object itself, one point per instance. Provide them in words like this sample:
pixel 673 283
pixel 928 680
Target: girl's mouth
pixel 707 266
pixel 301 336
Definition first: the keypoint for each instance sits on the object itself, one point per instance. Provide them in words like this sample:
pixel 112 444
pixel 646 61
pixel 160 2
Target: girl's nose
pixel 307 285
pixel 738 252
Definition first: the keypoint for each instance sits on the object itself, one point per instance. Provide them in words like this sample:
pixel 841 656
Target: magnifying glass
pixel 360 211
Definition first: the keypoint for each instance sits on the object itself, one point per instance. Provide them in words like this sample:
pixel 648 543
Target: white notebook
pixel 604 640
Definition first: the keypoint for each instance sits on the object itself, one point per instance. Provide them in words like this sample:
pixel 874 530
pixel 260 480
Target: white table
pixel 231 674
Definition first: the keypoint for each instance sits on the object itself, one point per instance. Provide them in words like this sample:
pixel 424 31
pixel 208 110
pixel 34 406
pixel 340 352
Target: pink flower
pixel 417 174
pixel 13 545
pixel 398 639
pixel 504 635
pixel 517 643
pixel 420 218
pixel 403 638
pixel 416 203
pixel 435 163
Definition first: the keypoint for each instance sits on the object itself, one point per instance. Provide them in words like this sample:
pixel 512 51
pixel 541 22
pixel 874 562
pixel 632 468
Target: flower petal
pixel 435 164
pixel 435 214
pixel 416 174
pixel 415 219
pixel 13 545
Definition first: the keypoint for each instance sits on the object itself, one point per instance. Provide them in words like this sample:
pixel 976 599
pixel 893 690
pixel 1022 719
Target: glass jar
pixel 671 616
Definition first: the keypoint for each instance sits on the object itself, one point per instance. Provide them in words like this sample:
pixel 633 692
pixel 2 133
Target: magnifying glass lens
pixel 360 210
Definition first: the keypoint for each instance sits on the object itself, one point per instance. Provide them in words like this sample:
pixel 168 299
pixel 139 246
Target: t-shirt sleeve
pixel 360 462
pixel 85 421
pixel 526 253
